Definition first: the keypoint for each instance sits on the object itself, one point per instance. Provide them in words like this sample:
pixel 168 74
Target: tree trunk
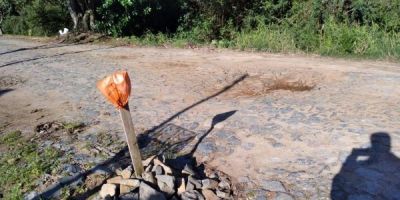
pixel 91 20
pixel 85 21
pixel 74 12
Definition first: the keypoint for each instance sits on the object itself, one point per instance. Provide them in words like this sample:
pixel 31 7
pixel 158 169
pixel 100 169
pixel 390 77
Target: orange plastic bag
pixel 116 88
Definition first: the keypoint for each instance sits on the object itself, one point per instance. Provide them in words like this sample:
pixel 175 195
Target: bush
pixel 39 17
pixel 345 27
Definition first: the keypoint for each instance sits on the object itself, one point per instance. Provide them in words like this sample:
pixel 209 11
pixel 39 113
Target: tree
pixel 5 8
pixel 83 14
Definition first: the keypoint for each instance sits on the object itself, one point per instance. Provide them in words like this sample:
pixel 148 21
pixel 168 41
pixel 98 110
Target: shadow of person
pixel 370 173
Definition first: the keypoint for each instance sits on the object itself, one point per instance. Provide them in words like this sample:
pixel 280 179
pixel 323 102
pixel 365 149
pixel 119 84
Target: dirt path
pixel 278 144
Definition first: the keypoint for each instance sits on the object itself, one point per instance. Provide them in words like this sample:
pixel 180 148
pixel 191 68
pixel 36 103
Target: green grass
pixel 338 40
pixel 72 126
pixel 22 163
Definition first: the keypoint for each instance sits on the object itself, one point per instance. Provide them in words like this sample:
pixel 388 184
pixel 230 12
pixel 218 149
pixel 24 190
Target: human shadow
pixel 369 173
pixel 122 158
pixel 51 56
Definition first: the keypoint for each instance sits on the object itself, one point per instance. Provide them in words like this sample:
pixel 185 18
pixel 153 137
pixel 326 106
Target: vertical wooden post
pixel 131 140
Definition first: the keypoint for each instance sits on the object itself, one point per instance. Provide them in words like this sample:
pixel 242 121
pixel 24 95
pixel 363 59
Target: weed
pixel 22 163
pixel 10 138
pixel 71 127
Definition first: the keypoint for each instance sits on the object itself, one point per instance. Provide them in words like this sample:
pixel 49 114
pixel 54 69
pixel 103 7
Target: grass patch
pixel 71 127
pixel 22 163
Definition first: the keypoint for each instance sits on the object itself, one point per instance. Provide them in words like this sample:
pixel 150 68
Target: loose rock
pixel 182 187
pixel 158 170
pixel 123 189
pixel 149 177
pixel 129 196
pixel 166 183
pixel 209 184
pixel 197 183
pixel 146 192
pixel 223 195
pixel 165 167
pixel 209 195
pixel 128 182
pixel 192 195
pixel 224 184
pixel 148 160
pixel 127 172
pixel 188 170
pixel 108 190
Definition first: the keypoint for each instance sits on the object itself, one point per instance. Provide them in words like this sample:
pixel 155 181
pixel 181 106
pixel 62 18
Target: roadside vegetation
pixel 360 28
pixel 22 162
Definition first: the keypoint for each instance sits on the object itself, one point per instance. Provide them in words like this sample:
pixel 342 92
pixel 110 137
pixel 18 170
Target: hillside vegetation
pixel 367 28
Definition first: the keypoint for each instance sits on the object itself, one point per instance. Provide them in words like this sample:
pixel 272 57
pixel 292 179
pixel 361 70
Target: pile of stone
pixel 160 181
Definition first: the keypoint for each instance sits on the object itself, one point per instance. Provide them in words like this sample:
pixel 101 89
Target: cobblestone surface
pixel 316 144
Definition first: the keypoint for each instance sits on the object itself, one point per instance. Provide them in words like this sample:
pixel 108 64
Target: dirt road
pixel 278 144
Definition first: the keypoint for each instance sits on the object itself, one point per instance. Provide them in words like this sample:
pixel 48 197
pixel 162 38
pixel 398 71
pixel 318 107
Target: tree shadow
pixel 369 173
pixel 179 162
pixel 3 91
pixel 146 139
pixel 45 46
pixel 52 56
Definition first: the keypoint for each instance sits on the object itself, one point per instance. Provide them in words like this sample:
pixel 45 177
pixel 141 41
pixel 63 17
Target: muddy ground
pixel 300 123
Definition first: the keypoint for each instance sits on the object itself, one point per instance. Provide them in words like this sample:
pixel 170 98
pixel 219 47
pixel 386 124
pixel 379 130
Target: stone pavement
pixel 276 145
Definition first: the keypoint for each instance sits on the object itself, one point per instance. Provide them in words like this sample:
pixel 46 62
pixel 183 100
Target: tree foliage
pixel 307 24
pixel 37 17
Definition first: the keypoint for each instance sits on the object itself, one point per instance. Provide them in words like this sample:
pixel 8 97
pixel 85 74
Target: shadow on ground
pixel 147 142
pixel 369 173
pixel 45 46
pixel 51 56
pixel 3 91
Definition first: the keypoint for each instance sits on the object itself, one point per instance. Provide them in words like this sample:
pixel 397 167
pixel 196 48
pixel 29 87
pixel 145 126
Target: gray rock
pixel 108 190
pixel 209 184
pixel 213 175
pixel 149 168
pixel 209 195
pixel 166 183
pixel 149 177
pixel 197 183
pixel 275 186
pixel 148 193
pixel 188 170
pixel 158 170
pixel 192 195
pixel 127 172
pixel 71 169
pixel 129 196
pixel 189 186
pixel 31 195
pixel 223 195
pixel 283 196
pixel 224 185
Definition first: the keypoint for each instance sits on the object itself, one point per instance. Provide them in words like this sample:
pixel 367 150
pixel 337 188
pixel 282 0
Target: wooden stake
pixel 131 140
